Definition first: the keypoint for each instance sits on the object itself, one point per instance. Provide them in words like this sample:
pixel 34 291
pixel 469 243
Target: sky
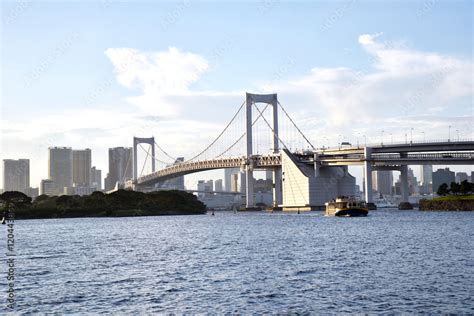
pixel 93 74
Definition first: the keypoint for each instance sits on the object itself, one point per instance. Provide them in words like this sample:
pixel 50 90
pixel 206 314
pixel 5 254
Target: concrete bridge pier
pixel 368 178
pixel 277 190
pixel 404 203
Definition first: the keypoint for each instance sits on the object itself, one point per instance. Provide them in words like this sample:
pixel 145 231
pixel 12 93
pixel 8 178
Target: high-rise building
pixel 16 175
pixel 175 183
pixel 228 178
pixel 81 167
pixel 426 174
pixel 461 176
pixel 96 178
pixel 382 181
pixel 441 176
pixel 218 185
pixel 426 179
pixel 47 187
pixel 204 187
pixel 234 182
pixel 60 167
pixel 120 166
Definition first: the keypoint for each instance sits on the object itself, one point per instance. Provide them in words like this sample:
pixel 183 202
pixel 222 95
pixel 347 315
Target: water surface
pixel 390 261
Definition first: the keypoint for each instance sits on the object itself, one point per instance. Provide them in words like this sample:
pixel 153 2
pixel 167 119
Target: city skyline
pixel 369 59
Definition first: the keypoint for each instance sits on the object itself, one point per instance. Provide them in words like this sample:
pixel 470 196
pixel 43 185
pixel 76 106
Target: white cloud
pixel 156 74
pixel 397 82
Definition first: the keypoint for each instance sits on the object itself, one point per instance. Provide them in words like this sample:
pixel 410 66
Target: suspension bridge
pixel 304 177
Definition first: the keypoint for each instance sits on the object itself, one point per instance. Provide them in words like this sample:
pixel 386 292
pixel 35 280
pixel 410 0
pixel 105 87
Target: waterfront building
pixel 229 178
pixel 47 187
pixel 426 179
pixel 461 176
pixel 441 176
pixel 96 178
pixel 205 187
pixel 16 175
pixel 382 181
pixel 60 167
pixel 32 192
pixel 120 166
pixel 81 167
pixel 218 185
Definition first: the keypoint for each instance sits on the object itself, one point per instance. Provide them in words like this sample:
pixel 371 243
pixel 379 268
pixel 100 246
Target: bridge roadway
pixel 379 156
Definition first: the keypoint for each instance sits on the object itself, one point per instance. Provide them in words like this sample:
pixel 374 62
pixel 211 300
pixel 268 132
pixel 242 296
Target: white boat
pixel 383 202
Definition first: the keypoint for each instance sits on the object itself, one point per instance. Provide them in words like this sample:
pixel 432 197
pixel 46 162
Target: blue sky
pixel 60 66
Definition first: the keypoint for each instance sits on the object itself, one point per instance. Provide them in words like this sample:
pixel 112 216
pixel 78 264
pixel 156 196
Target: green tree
pixel 443 189
pixel 455 188
pixel 466 187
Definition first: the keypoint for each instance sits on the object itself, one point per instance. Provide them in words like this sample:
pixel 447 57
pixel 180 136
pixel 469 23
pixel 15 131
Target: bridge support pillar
pixel 138 140
pixel 368 177
pixel 404 183
pixel 277 189
pixel 249 102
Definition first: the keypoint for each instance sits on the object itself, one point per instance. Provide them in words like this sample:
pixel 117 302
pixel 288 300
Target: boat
pixel 346 206
pixel 383 202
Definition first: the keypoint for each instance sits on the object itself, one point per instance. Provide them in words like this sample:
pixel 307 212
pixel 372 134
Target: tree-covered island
pixel 98 204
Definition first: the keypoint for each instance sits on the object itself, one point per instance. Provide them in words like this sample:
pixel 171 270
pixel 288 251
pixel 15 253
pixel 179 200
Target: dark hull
pixel 349 212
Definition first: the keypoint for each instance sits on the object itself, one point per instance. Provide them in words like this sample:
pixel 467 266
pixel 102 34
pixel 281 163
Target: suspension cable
pixel 164 152
pixel 242 136
pixel 217 138
pixel 271 128
pixel 288 116
pixel 146 158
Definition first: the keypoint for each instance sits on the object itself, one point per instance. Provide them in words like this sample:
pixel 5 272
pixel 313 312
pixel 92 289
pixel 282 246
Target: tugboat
pixel 346 206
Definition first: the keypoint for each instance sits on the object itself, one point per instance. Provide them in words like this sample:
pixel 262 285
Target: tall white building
pixel 218 185
pixel 47 187
pixel 16 175
pixel 120 166
pixel 81 167
pixel 382 181
pixel 60 167
pixel 96 178
pixel 228 178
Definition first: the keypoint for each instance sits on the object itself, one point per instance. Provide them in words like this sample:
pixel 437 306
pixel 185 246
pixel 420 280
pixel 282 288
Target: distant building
pixel 228 178
pixel 426 174
pixel 382 181
pixel 461 176
pixel 441 176
pixel 47 187
pixel 174 183
pixel 16 175
pixel 412 183
pixel 205 187
pixel 234 182
pixel 96 178
pixel 60 168
pixel 120 166
pixel 32 192
pixel 472 176
pixel 84 190
pixel 426 182
pixel 413 188
pixel 81 167
pixel 218 185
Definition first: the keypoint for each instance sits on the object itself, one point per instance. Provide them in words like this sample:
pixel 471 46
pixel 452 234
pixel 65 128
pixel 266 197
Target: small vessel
pixel 346 206
pixel 383 202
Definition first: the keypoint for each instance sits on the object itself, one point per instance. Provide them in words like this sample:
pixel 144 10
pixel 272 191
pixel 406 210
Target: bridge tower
pixel 250 100
pixel 143 140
